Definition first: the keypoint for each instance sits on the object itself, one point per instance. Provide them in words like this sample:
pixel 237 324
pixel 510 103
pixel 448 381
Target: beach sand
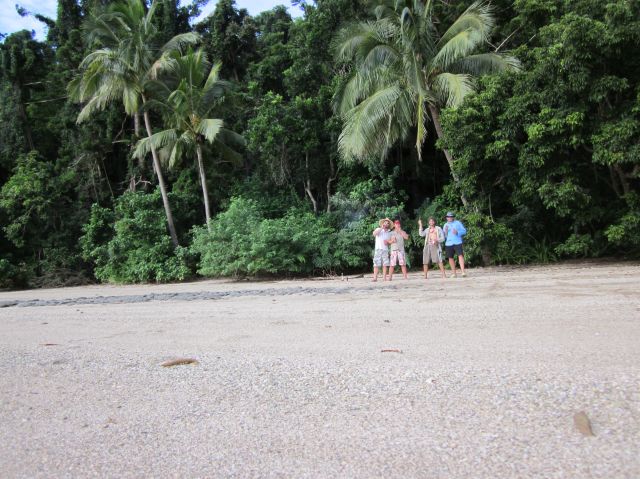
pixel 477 377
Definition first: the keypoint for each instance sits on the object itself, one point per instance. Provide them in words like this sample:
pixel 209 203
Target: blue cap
pixel 450 214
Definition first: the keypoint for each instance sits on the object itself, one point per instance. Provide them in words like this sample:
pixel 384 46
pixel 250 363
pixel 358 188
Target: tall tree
pixel 22 62
pixel 126 58
pixel 405 72
pixel 229 35
pixel 198 94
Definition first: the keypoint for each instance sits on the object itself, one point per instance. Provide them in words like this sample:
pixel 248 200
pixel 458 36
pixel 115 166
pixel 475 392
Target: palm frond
pixel 485 63
pixel 156 141
pixel 105 94
pixel 421 124
pixel 181 41
pixel 461 45
pixel 478 18
pixel 366 129
pixel 209 128
pixel 183 144
pixel 214 76
pixel 130 99
pixel 453 87
pixel 360 85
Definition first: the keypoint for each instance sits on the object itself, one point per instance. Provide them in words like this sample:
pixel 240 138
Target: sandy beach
pixel 472 377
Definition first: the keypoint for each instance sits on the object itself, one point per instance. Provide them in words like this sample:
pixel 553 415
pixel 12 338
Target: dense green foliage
pixel 251 122
pixel 129 244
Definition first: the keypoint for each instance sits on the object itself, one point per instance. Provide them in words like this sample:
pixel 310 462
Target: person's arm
pixel 441 237
pixel 461 229
pixel 421 231
pixel 376 231
pixel 404 234
pixel 392 239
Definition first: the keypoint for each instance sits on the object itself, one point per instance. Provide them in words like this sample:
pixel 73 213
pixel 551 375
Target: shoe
pixel 453 276
pixel 464 275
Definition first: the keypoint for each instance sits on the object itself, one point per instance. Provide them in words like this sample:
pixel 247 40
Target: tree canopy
pixel 277 143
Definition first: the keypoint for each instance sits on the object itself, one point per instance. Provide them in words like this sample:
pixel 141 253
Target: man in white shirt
pixel 381 254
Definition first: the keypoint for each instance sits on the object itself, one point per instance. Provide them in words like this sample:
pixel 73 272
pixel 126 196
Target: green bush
pixel 240 241
pixel 13 276
pixel 487 242
pixel 576 246
pixel 225 247
pixel 625 234
pixel 298 243
pixel 130 243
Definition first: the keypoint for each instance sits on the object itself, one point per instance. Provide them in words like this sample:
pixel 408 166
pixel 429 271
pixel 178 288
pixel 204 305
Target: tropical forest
pixel 143 142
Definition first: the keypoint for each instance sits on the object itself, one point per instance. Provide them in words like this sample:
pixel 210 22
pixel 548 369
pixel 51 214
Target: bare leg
pixel 452 263
pixel 461 261
pixel 441 266
pixel 384 272
pixel 375 273
pixel 404 271
pixel 425 268
pixel 392 269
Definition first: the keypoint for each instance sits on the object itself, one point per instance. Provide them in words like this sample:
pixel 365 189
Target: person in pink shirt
pixel 398 237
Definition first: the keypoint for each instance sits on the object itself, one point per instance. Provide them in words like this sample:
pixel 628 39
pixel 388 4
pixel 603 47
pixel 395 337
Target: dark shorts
pixel 456 248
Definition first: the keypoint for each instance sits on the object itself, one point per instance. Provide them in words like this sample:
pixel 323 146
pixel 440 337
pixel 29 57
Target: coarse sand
pixel 503 374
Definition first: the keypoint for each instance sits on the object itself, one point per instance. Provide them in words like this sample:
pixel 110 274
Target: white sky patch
pixel 254 7
pixel 11 22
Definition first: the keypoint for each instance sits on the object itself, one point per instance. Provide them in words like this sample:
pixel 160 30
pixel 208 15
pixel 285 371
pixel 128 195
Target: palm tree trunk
pixel 435 116
pixel 203 181
pixel 163 188
pixel 136 124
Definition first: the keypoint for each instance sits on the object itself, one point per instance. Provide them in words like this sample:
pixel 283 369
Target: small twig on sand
pixel 179 362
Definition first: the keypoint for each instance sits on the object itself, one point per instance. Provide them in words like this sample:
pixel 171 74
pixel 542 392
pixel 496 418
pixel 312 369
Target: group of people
pixel 389 246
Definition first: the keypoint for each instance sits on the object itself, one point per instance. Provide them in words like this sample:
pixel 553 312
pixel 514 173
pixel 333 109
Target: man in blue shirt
pixel 454 231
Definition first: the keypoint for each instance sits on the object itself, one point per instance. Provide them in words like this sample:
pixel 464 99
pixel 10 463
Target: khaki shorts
pixel 381 257
pixel 431 254
pixel 398 257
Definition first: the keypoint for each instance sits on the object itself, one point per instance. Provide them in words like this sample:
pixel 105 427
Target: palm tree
pixel 123 65
pixel 405 72
pixel 196 96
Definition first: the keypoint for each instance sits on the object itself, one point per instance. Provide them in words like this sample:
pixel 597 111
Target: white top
pixel 381 237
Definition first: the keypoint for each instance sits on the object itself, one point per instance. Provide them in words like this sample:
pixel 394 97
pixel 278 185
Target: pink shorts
pixel 398 256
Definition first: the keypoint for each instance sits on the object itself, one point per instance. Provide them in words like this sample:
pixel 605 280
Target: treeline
pixel 130 125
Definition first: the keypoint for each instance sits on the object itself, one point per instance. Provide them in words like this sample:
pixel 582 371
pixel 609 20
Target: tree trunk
pixel 203 181
pixel 307 185
pixel 307 189
pixel 614 182
pixel 332 177
pixel 624 182
pixel 435 116
pixel 163 188
pixel 136 124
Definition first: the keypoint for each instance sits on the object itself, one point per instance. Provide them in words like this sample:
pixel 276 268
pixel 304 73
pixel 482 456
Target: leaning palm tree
pixel 405 72
pixel 197 94
pixel 126 58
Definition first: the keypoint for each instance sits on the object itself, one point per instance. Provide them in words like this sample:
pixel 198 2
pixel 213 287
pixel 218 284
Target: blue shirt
pixel 453 239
